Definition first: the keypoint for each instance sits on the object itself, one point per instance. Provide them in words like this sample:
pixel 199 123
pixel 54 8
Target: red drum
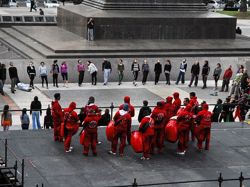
pixel 136 141
pixel 171 131
pixel 82 136
pixel 110 130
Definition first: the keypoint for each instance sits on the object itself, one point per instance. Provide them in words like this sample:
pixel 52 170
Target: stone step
pixel 36 47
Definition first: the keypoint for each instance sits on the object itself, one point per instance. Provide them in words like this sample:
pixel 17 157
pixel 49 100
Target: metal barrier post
pixel 112 109
pixel 241 179
pixel 22 172
pixel 220 180
pixel 5 153
pixel 42 184
pixel 15 172
pixel 134 183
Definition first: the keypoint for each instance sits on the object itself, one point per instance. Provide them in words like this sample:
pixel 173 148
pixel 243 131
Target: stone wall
pixel 128 76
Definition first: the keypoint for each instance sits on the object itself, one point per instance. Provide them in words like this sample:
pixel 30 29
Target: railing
pixel 28 19
pixel 10 166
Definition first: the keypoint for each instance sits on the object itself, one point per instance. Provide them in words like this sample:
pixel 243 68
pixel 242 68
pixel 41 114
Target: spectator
pixel 217 111
pixel 43 72
pixel 235 90
pixel 144 111
pixel 120 69
pixel 1 82
pixel 13 76
pixel 36 111
pixel 81 70
pixel 82 115
pixel 64 73
pixel 244 81
pixel 216 75
pixel 205 72
pixel 135 68
pixel 183 69
pixel 195 71
pixel 90 29
pixel 167 70
pixel 105 118
pixel 48 119
pixel 3 74
pixel 25 120
pixel 145 71
pixel 158 71
pixel 55 72
pixel 226 79
pixel 32 5
pixel 107 69
pixel 32 73
pixel 93 72
pixel 227 111
pixel 41 13
pixel 238 30
pixel 6 118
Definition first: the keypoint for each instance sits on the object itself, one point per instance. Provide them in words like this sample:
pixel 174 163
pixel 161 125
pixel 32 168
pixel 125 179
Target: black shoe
pixel 189 86
pixel 13 92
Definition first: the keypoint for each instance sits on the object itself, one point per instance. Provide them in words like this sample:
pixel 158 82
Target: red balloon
pixel 110 130
pixel 171 131
pixel 82 137
pixel 136 141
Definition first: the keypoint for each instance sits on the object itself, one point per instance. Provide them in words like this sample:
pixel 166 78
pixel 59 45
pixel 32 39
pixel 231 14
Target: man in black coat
pixel 195 71
pixel 158 71
pixel 13 77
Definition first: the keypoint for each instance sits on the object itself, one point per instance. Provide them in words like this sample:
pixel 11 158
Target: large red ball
pixel 136 141
pixel 110 130
pixel 171 131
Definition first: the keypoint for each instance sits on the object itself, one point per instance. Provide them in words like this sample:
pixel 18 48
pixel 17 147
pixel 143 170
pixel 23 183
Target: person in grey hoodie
pixel 216 74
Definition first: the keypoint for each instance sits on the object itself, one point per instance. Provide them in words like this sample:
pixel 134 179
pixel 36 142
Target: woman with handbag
pixel 6 118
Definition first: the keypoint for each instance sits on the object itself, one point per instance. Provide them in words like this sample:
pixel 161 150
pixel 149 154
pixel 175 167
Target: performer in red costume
pixel 57 116
pixel 71 121
pixel 159 116
pixel 147 129
pixel 194 110
pixel 203 130
pixel 91 107
pixel 132 114
pixel 169 108
pixel 122 120
pixel 184 120
pixel 90 125
pixel 177 102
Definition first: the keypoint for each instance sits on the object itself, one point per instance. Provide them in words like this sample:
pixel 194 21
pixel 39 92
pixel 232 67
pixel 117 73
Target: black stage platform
pixel 46 162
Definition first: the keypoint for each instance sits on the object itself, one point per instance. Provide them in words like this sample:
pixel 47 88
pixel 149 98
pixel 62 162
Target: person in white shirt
pixel 183 69
pixel 93 72
pixel 43 73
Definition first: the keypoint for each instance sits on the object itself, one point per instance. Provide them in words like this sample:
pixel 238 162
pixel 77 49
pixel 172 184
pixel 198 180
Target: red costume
pixel 184 119
pixel 122 122
pixel 159 116
pixel 203 130
pixel 177 102
pixel 57 116
pixel 169 108
pixel 147 129
pixel 90 125
pixel 71 121
pixel 90 108
pixel 194 107
pixel 132 114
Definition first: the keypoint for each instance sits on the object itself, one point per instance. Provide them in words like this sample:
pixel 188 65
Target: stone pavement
pixel 106 94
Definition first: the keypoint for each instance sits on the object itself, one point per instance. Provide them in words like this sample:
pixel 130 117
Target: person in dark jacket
pixel 217 111
pixel 135 68
pixel 48 119
pixel 167 70
pixel 216 75
pixel 195 71
pixel 32 73
pixel 144 111
pixel 55 71
pixel 145 71
pixel 13 76
pixel 81 115
pixel 107 69
pixel 2 77
pixel 158 71
pixel 244 81
pixel 36 111
pixel 205 73
pixel 105 119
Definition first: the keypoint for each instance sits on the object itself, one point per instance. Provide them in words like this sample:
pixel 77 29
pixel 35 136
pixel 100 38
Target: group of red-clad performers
pixel 192 119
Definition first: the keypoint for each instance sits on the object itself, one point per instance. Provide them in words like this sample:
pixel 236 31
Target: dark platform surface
pixel 47 163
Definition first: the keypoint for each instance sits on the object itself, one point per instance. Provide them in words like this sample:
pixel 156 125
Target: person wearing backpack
pixel 159 116
pixel 25 120
pixel 122 120
pixel 147 129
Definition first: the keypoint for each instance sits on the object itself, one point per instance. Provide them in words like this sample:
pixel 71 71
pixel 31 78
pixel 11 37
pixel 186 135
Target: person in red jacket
pixel 159 116
pixel 169 108
pixel 184 119
pixel 71 121
pixel 132 114
pixel 90 125
pixel 203 129
pixel 147 129
pixel 57 116
pixel 91 107
pixel 122 120
pixel 226 79
pixel 177 102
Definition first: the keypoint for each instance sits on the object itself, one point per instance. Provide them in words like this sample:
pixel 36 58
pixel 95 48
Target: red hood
pixel 205 106
pixel 127 99
pixel 176 95
pixel 72 106
pixel 169 99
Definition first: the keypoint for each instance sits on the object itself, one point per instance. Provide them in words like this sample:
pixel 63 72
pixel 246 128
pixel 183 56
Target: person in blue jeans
pixel 183 69
pixel 36 111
